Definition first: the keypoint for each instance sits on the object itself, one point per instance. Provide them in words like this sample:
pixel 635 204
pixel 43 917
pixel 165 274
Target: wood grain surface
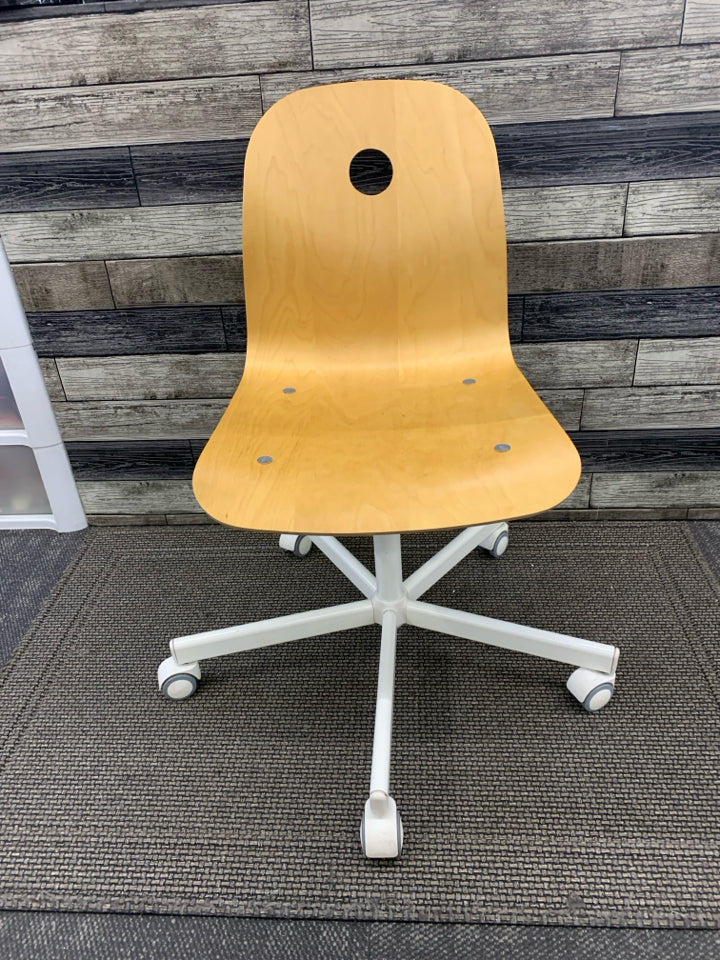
pixel 633 451
pixel 678 361
pixel 66 180
pixel 573 265
pixel 137 496
pixel 179 229
pixel 131 460
pixel 103 333
pixel 683 312
pixel 350 33
pixel 648 408
pixel 673 206
pixel 138 420
pixel 556 213
pixel 150 45
pixel 676 489
pixel 189 172
pixel 586 364
pixel 669 80
pixel 83 285
pixel 702 21
pixel 137 113
pixel 507 91
pixel 176 280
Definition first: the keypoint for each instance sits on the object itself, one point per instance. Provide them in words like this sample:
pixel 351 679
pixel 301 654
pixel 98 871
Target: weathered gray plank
pixel 678 361
pixel 138 420
pixel 52 379
pixel 138 496
pixel 163 112
pixel 358 33
pixel 179 229
pixel 193 42
pixel 687 489
pixel 82 285
pixel 633 263
pixel 586 364
pixel 651 408
pixel 565 405
pixel 673 80
pixel 557 213
pixel 507 91
pixel 673 206
pixel 580 497
pixel 154 377
pixel 702 21
pixel 178 280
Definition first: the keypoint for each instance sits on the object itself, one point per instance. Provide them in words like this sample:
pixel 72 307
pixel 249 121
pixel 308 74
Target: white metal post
pixel 382 743
pixel 388 567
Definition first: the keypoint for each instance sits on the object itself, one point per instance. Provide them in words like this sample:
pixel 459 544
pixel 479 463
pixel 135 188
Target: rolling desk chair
pixel 380 394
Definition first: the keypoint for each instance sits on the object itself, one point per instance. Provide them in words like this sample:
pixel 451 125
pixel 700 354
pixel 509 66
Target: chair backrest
pixel 398 278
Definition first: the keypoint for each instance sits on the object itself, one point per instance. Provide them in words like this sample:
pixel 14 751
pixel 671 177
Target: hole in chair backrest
pixel 371 171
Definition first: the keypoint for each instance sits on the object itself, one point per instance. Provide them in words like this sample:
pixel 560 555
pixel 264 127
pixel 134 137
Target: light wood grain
pixel 688 489
pixel 558 213
pixel 507 91
pixel 678 361
pixel 155 377
pixel 385 318
pixel 137 496
pixel 64 286
pixel 651 408
pixel 673 80
pixel 579 364
pixel 702 21
pixel 138 420
pixel 178 280
pixel 673 206
pixel 52 379
pixel 180 230
pixel 368 32
pixel 208 41
pixel 163 112
pixel 688 260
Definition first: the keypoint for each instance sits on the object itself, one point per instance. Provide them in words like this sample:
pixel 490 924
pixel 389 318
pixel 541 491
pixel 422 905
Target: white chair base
pixel 391 602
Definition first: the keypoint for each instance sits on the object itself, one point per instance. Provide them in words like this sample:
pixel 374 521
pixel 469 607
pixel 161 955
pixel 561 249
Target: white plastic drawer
pixel 21 486
pixel 9 415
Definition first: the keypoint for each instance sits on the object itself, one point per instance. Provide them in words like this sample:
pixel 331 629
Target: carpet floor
pixel 245 800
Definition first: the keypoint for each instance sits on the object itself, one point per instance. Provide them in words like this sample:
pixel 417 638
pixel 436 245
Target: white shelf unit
pixel 37 488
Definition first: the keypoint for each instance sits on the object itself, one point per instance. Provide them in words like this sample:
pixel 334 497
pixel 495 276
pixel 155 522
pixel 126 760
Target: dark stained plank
pixel 629 451
pixel 636 262
pixel 676 78
pixel 349 33
pixel 82 285
pixel 617 314
pixel 139 460
pixel 176 280
pixel 152 45
pixel 515 318
pixel 104 333
pixel 190 172
pixel 161 112
pixel 609 150
pixel 235 323
pixel 507 91
pixel 66 180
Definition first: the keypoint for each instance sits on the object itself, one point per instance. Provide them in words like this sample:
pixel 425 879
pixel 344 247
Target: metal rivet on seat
pixel 470 380
pixel 502 447
pixel 288 389
pixel 265 459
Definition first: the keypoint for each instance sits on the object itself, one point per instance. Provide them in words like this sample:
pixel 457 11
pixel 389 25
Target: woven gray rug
pixel 245 800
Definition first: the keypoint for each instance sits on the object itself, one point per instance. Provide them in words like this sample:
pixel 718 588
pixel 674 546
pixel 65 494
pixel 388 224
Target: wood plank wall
pixel 123 130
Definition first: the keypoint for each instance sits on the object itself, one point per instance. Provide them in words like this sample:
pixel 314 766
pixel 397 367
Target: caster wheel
pixel 300 546
pixel 501 544
pixel 381 829
pixel 594 690
pixel 178 681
